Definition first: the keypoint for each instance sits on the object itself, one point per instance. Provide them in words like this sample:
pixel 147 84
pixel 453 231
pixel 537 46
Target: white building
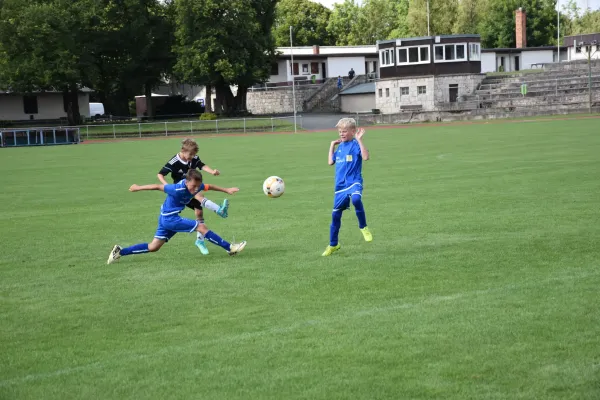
pixel 580 47
pixel 513 60
pixel 313 64
pixel 39 105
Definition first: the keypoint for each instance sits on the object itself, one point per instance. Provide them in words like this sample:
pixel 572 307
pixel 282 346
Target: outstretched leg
pixel 140 248
pixel 231 248
pixel 334 230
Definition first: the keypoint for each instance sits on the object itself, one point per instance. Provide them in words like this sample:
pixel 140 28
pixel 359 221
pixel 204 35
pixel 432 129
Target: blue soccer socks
pixel 140 248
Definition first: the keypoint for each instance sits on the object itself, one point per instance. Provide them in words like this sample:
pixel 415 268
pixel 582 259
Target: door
pixel 324 69
pixel 517 66
pixel 453 93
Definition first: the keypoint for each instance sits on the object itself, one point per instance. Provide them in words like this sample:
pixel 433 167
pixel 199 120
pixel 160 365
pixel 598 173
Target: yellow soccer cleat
pixel 330 250
pixel 367 234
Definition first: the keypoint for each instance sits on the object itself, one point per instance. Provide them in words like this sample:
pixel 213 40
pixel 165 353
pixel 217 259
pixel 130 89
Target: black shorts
pixel 194 204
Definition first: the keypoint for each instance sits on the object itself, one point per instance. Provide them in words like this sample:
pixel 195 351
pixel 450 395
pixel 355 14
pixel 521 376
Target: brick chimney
pixel 521 28
pixel 315 49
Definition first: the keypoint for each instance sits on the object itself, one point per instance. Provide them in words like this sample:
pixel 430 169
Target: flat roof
pixel 473 36
pixel 362 88
pixel 519 50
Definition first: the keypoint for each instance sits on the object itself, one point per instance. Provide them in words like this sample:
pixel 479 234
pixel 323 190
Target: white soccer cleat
pixel 114 255
pixel 237 248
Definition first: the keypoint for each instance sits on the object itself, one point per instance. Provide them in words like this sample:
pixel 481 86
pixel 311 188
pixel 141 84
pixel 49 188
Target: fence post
pixel 140 129
pixel 557 87
pixel 87 131
pixel 166 130
pixel 191 127
pixel 217 125
pixel 272 125
pixel 301 122
pixel 244 125
pixel 114 132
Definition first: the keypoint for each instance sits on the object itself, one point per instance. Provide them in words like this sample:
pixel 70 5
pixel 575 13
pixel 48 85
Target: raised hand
pixel 360 133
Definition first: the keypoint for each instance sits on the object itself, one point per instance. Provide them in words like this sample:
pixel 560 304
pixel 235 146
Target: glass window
pixel 422 89
pixel 387 92
pixel 402 57
pixel 449 52
pixel 424 53
pixel 439 53
pixel 413 55
pixel 460 52
pixel 404 91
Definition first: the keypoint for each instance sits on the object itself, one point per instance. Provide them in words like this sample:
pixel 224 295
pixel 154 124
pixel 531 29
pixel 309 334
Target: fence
pixel 39 136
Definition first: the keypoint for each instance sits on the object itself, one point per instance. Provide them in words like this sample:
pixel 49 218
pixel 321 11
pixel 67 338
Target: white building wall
pixel 339 66
pixel 283 71
pixel 536 57
pixel 50 106
pixel 352 103
pixel 573 55
pixel 488 62
pixel 389 100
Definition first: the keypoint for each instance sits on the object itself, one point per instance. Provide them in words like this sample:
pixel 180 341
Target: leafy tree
pixel 224 44
pixel 342 21
pixel 442 15
pixel 498 27
pixel 470 15
pixel 308 19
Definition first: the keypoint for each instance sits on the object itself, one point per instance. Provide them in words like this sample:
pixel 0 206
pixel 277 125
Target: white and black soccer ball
pixel 274 186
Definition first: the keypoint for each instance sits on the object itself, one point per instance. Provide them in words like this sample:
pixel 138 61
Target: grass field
pixel 481 283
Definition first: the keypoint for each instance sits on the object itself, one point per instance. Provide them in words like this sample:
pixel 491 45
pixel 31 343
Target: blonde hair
pixel 189 145
pixel 346 123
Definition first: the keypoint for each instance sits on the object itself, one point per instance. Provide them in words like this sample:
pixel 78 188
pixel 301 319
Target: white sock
pixel 198 234
pixel 206 203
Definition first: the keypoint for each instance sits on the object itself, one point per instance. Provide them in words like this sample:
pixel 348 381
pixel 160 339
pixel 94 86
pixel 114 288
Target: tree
pixel 308 19
pixel 224 44
pixel 442 15
pixel 341 22
pixel 45 46
pixel 470 15
pixel 498 26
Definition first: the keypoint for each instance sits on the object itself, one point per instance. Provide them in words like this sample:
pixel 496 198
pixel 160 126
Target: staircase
pixel 326 99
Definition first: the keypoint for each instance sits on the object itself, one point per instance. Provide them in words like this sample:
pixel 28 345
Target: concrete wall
pixel 488 62
pixel 389 97
pixel 533 57
pixel 278 101
pixel 573 55
pixel 352 103
pixel 341 65
pixel 50 106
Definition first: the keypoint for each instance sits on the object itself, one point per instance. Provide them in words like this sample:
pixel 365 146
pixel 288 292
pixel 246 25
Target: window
pixel 387 92
pixel 387 57
pixel 474 52
pixel 305 68
pixel 30 104
pixel 380 92
pixel 274 69
pixel 413 55
pixel 422 89
pixel 404 91
pixel 314 68
pixel 450 52
pixel 577 49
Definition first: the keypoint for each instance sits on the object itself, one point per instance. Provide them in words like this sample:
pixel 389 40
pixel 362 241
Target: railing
pixel 178 128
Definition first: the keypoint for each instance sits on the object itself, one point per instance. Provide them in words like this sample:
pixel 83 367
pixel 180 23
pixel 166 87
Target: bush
pixel 208 117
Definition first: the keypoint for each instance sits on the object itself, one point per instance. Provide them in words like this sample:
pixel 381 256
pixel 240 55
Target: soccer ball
pixel 273 186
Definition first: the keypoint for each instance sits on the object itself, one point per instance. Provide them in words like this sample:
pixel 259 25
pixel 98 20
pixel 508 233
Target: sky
pixel 593 4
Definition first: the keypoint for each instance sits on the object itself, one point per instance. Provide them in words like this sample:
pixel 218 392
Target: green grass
pixel 481 283
pixel 186 127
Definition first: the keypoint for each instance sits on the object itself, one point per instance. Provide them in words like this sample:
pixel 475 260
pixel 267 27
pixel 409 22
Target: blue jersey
pixel 178 196
pixel 348 165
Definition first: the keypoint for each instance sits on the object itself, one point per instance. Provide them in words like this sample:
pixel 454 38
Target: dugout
pixel 38 136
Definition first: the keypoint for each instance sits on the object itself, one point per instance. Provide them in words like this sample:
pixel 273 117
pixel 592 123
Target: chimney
pixel 316 49
pixel 521 28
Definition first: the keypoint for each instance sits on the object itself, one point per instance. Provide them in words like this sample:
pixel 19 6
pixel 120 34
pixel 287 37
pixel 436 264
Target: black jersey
pixel 178 168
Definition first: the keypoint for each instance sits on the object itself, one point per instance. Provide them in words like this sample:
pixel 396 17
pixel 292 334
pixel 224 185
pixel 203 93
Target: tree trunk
pixel 208 107
pixel 241 99
pixel 71 96
pixel 149 105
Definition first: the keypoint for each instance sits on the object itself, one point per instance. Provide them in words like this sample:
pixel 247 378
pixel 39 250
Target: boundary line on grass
pixel 343 316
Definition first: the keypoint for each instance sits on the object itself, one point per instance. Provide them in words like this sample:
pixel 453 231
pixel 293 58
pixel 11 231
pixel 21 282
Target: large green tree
pixel 223 44
pixel 470 15
pixel 44 45
pixel 308 19
pixel 498 26
pixel 442 17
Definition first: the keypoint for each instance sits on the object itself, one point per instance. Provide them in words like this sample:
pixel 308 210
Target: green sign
pixel 524 89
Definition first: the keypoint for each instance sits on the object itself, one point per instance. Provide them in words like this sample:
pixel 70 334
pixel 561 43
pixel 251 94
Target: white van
pixel 96 110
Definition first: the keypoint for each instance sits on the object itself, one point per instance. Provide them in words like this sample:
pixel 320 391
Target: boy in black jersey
pixel 178 166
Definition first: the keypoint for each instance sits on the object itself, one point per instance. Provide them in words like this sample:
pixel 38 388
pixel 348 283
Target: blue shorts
pixel 169 225
pixel 342 198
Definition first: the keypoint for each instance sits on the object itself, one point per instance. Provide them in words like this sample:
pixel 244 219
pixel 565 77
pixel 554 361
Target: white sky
pixel 593 4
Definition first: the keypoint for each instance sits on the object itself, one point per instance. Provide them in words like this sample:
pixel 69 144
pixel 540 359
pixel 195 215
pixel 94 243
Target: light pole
pixel 558 31
pixel 293 82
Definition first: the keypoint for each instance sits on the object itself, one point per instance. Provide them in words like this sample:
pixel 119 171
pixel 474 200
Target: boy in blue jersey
pixel 170 222
pixel 348 159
